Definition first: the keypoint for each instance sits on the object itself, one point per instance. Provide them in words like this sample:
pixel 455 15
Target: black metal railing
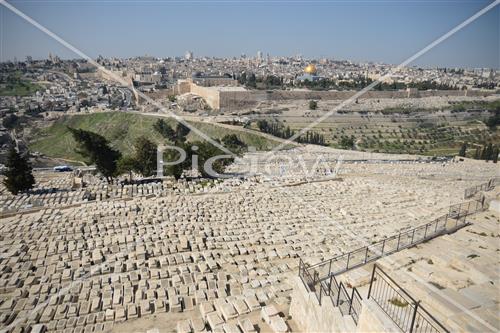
pixel 454 220
pixel 356 305
pixel 320 278
pixel 404 310
pixel 489 185
pixel 336 292
pixel 465 209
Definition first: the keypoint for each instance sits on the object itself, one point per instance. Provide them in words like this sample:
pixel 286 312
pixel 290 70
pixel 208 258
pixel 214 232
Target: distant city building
pixel 259 55
pixel 54 59
pixel 189 55
pixel 207 80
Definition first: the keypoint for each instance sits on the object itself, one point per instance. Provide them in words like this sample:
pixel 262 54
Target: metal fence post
pixel 330 266
pixel 371 281
pixel 366 255
pixel 352 299
pixel 348 258
pixel 383 246
pixel 338 296
pixel 413 235
pixel 425 233
pixel 320 292
pixel 414 316
pixel 330 286
pixel 399 238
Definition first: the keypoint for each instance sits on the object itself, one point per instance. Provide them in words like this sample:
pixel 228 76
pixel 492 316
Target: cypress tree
pixel 483 154
pixel 488 155
pixel 463 150
pixel 477 154
pixel 95 148
pixel 19 176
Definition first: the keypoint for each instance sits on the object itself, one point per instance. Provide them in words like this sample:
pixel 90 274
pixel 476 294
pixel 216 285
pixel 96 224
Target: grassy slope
pixel 121 129
pixel 18 86
pixel 21 89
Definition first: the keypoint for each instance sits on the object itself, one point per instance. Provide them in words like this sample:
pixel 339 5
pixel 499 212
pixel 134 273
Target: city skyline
pixel 228 29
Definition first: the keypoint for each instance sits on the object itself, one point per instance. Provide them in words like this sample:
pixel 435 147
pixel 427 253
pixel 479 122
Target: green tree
pixel 463 150
pixel 243 78
pixel 204 151
pixel 178 135
pixel 251 81
pixel 488 155
pixel 347 142
pixel 477 154
pixel 207 151
pixel 233 143
pixel 127 164
pixel 10 121
pixel 313 105
pixel 494 120
pixel 95 149
pixel 145 156
pixel 165 130
pixel 484 153
pixel 495 155
pixel 19 176
pixel 181 132
pixel 172 155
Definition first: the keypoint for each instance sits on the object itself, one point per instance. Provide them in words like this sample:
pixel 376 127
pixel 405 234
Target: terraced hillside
pixel 413 131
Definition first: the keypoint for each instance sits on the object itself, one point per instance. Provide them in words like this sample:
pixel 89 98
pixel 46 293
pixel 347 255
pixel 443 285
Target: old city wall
pixel 221 99
pixel 210 95
pixel 245 99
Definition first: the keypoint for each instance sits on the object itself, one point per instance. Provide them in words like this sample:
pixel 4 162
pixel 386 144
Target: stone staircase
pixel 456 277
pixel 318 279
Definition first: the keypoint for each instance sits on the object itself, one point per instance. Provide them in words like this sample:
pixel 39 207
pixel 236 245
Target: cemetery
pixel 223 255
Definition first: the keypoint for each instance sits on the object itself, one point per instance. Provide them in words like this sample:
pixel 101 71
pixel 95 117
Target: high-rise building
pixel 259 55
pixel 189 55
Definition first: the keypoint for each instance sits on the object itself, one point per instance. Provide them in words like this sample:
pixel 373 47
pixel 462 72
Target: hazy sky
pixel 382 31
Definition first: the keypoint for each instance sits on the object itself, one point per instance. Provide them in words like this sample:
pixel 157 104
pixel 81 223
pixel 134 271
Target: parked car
pixel 63 168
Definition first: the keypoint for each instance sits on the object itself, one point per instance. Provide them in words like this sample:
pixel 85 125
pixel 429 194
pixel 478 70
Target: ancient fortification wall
pixel 234 100
pixel 210 95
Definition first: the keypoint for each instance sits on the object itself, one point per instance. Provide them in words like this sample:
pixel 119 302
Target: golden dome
pixel 310 69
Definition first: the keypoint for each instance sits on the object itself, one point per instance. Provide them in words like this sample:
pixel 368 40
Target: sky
pixel 387 31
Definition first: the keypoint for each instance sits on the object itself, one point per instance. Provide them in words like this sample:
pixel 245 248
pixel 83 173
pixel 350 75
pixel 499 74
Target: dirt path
pixel 201 120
